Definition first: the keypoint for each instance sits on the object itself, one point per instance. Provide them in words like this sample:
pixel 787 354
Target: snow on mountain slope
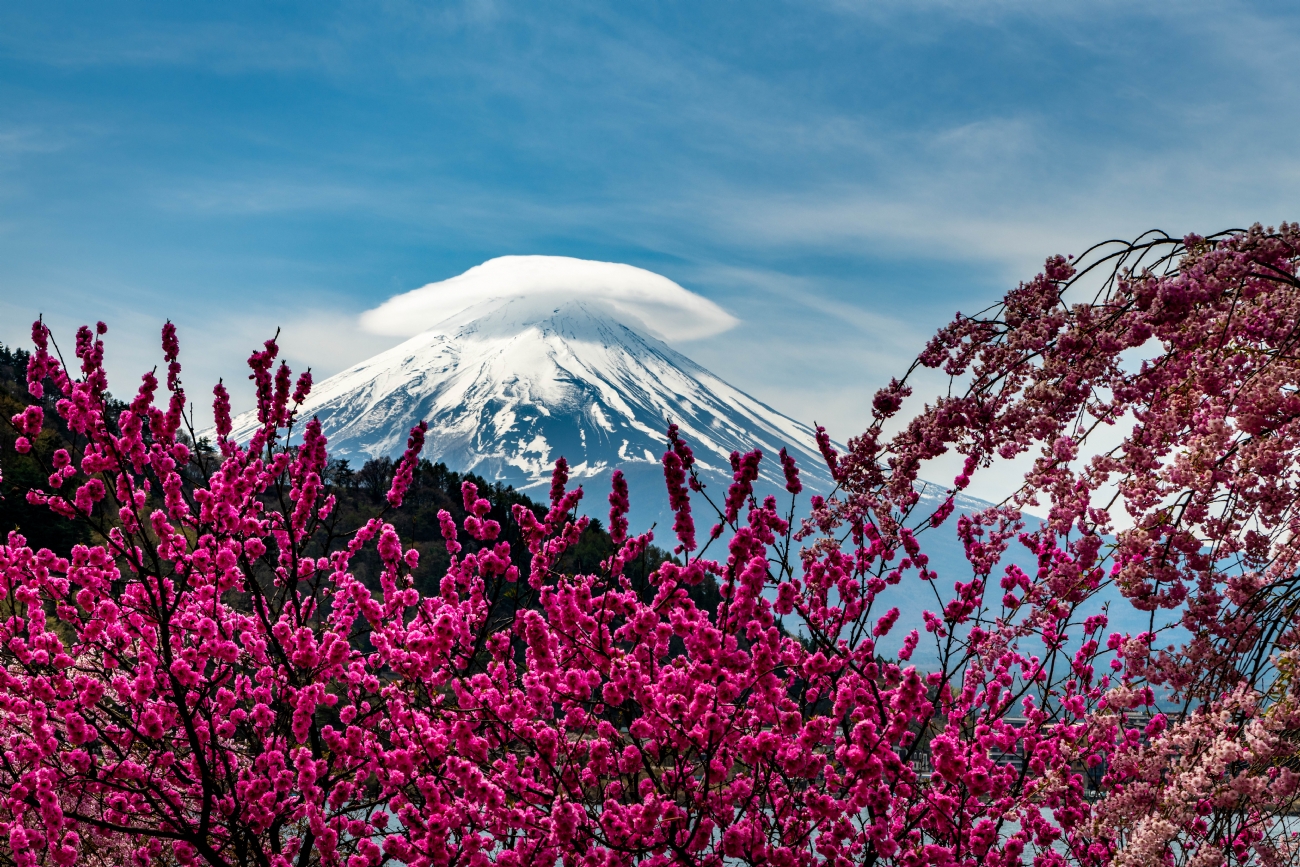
pixel 509 385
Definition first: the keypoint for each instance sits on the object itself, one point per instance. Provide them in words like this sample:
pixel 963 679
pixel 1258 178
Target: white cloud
pixel 652 300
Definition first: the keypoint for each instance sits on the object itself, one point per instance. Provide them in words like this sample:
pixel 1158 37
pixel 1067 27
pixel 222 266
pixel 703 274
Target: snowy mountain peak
pixel 510 384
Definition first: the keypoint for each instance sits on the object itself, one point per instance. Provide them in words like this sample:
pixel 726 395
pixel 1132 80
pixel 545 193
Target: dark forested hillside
pixel 21 472
pixel 360 493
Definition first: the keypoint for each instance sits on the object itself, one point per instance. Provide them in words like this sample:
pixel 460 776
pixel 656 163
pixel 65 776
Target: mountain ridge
pixel 508 386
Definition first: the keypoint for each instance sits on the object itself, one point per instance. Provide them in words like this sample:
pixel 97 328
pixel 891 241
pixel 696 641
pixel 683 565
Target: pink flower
pixel 227 670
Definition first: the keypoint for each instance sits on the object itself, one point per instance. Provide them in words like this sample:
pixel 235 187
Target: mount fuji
pixel 509 384
pixel 512 380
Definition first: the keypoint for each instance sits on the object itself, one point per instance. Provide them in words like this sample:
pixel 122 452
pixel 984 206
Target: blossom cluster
pixel 1157 383
pixel 213 684
pixel 214 681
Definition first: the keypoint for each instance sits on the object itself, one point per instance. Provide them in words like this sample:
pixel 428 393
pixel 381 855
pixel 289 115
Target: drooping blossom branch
pixel 1187 349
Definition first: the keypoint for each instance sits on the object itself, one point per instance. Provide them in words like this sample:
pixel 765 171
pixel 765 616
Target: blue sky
pixel 841 177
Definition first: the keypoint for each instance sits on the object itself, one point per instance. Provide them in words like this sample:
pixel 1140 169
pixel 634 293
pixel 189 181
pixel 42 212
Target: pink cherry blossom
pixel 224 677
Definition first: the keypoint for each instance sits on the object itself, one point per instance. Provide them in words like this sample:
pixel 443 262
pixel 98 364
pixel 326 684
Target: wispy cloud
pixel 275 195
pixel 124 41
pixel 15 141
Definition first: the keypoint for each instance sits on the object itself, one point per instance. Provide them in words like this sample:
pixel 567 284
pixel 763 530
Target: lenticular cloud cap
pixel 655 302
